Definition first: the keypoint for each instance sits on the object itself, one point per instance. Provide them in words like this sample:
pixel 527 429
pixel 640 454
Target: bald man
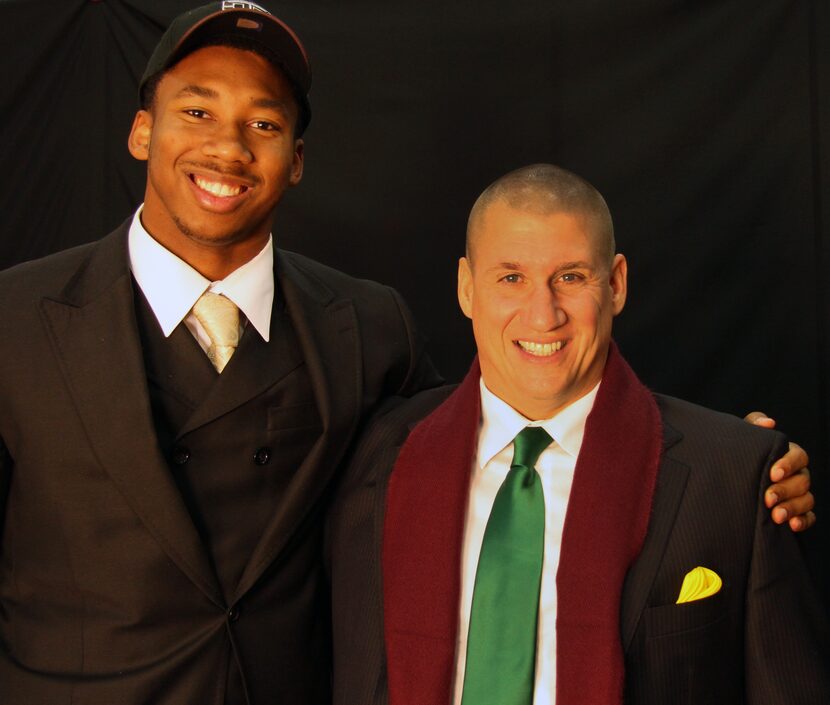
pixel 551 531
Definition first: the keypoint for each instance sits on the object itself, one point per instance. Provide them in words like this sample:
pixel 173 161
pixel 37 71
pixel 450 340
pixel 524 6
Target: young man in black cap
pixel 175 399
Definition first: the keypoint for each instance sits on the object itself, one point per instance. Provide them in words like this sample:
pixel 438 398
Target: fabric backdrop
pixel 704 123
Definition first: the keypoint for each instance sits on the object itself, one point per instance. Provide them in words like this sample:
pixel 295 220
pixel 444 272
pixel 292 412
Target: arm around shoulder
pixel 5 481
pixel 786 623
pixel 421 373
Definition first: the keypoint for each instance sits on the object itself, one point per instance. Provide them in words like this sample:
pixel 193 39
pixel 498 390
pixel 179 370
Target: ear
pixel 465 286
pixel 297 163
pixel 139 140
pixel 619 283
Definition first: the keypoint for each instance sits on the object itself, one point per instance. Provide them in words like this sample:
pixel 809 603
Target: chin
pixel 209 234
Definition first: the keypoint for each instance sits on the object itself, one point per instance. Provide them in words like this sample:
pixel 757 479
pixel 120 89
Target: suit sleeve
pixel 353 531
pixel 420 373
pixel 5 481
pixel 786 626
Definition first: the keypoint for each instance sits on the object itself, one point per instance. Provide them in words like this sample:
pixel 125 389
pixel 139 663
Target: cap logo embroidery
pixel 242 5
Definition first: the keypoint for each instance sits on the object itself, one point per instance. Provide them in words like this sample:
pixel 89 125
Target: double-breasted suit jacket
pixel 110 590
pixel 761 639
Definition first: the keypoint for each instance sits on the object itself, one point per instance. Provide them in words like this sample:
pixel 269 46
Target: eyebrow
pixel 506 265
pixel 199 91
pixel 574 265
pixel 209 93
pixel 271 103
pixel 564 265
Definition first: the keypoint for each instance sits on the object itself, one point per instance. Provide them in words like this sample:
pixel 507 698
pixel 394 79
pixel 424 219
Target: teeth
pixel 540 349
pixel 216 189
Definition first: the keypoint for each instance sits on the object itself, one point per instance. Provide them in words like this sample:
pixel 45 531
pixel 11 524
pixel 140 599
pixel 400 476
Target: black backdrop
pixel 704 122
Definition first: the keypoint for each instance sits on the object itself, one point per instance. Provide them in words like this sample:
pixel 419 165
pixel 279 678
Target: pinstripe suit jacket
pixel 761 640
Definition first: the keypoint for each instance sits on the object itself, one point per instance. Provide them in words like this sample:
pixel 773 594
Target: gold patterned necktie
pixel 219 317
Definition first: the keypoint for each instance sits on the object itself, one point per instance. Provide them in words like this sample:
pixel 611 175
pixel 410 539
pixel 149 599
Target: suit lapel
pixel 668 493
pixel 255 367
pixel 426 508
pixel 326 329
pixel 175 364
pixel 93 329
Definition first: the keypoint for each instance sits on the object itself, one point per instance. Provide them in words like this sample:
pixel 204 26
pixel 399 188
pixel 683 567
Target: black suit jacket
pixel 107 595
pixel 762 639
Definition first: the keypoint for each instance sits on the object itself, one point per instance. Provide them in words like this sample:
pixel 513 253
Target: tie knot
pixel 529 444
pixel 219 317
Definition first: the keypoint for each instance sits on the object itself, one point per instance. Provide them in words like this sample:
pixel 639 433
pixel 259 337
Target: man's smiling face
pixel 541 295
pixel 219 141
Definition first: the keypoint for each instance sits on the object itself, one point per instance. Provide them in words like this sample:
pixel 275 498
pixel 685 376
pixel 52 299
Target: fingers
pixel 794 460
pixel 790 489
pixel 759 418
pixel 792 501
pixel 792 508
pixel 802 523
pixel 789 498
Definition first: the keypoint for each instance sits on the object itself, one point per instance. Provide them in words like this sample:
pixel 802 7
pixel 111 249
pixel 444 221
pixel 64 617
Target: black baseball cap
pixel 228 19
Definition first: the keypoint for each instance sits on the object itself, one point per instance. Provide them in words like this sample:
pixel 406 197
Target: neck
pixel 215 262
pixel 213 259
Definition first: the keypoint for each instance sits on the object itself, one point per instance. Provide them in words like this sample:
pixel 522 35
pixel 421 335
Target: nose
pixel 227 142
pixel 543 311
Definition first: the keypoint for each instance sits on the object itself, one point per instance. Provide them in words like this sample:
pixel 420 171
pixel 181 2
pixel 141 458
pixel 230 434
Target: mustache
pixel 225 170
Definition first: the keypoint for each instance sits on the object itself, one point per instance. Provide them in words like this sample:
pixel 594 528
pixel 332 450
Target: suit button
pixel 180 455
pixel 262 456
pixel 233 613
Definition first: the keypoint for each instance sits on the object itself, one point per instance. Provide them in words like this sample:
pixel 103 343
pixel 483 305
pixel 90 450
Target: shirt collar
pixel 500 423
pixel 172 286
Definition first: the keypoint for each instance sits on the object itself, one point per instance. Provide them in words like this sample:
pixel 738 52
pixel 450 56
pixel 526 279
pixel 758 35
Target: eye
pixel 512 278
pixel 196 113
pixel 571 277
pixel 264 125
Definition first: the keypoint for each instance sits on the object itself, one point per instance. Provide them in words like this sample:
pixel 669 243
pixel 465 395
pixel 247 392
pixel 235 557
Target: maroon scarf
pixel 605 525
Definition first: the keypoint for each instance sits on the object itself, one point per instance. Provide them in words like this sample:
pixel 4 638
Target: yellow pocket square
pixel 699 582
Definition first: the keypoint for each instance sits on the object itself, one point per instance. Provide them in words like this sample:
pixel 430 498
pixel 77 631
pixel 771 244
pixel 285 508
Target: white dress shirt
pixel 172 286
pixel 500 424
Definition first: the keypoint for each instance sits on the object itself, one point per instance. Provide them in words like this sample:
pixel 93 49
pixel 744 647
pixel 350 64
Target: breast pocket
pixel 666 620
pixel 693 652
pixel 294 417
pixel 293 430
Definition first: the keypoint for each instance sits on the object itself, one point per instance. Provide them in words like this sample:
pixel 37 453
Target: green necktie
pixel 501 642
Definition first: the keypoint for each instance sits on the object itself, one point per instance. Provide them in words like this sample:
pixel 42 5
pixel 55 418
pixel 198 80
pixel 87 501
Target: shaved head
pixel 547 189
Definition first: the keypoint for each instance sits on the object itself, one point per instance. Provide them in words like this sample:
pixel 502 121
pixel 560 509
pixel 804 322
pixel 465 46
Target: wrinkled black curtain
pixel 705 124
